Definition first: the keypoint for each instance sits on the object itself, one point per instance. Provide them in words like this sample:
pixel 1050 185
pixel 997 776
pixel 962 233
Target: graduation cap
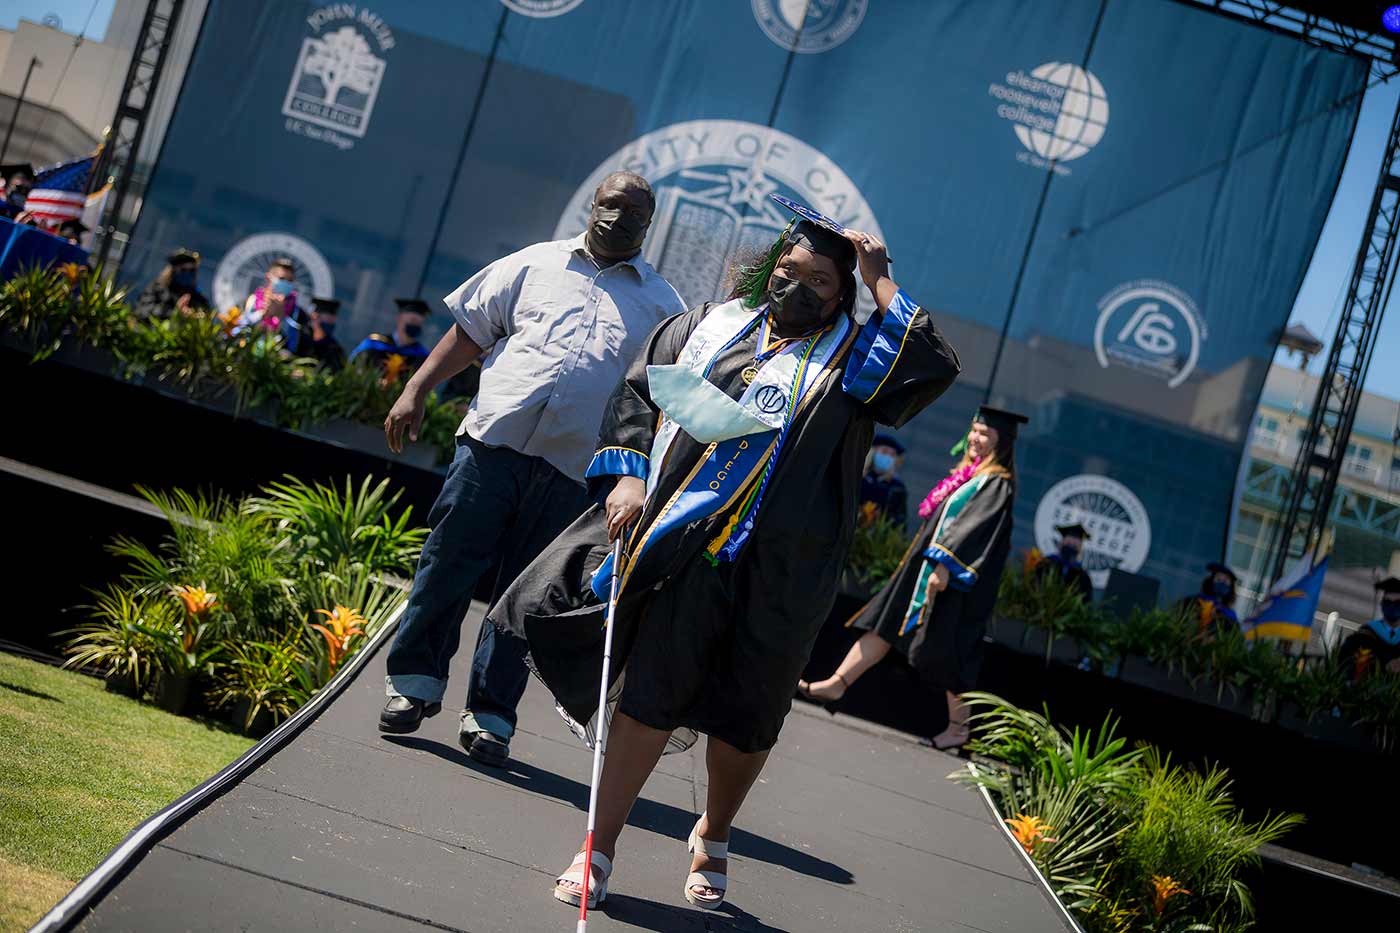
pixel 818 232
pixel 16 168
pixel 1073 531
pixel 325 305
pixel 888 440
pixel 1388 587
pixel 412 304
pixel 181 256
pixel 1005 422
pixel 1215 567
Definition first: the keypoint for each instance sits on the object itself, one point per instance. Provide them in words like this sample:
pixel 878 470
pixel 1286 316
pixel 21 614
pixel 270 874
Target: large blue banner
pixel 1108 204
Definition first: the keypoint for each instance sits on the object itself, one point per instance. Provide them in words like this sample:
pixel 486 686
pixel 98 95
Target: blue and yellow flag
pixel 1288 611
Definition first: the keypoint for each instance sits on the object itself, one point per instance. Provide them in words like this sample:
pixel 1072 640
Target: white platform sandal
pixel 706 879
pixel 597 888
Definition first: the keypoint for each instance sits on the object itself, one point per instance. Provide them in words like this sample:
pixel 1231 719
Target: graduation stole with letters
pixel 914 615
pixel 738 465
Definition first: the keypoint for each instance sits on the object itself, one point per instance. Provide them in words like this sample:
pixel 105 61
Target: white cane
pixel 602 735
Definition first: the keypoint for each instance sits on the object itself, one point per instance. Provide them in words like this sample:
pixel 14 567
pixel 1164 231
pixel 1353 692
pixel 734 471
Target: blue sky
pixel 1324 287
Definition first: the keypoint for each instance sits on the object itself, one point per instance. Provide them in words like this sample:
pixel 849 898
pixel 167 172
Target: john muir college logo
pixel 337 75
pixel 712 180
pixel 1059 112
pixel 243 267
pixel 1120 533
pixel 809 25
pixel 1151 326
pixel 541 9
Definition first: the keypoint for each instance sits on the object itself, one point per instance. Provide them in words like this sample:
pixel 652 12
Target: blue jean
pixel 495 502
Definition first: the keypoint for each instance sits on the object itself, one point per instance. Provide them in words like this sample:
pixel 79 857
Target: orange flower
pixel 71 271
pixel 1033 559
pixel 868 513
pixel 198 601
pixel 1030 831
pixel 1206 615
pixel 342 624
pixel 230 318
pixel 1164 889
pixel 1361 663
pixel 393 367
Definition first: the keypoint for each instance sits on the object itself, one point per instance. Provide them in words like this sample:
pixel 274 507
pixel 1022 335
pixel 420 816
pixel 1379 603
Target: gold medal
pixel 749 374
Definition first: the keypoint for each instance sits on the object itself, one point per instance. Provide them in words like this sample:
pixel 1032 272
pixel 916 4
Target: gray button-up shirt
pixel 557 334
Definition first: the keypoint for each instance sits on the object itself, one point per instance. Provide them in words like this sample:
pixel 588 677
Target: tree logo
pixel 1120 534
pixel 712 180
pixel 809 25
pixel 337 75
pixel 1150 326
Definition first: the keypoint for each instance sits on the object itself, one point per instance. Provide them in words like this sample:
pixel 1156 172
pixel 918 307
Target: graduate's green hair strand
pixel 752 284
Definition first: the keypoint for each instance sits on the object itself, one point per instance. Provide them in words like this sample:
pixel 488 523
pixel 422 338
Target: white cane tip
pixel 582 926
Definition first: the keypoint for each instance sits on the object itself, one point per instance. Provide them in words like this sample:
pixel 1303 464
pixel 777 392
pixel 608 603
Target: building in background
pixel 1365 512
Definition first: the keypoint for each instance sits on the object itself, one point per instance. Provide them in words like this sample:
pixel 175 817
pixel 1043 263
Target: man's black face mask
pixel 616 231
pixel 797 308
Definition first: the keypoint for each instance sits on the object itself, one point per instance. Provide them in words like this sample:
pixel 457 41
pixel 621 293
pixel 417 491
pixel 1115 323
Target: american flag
pixel 60 193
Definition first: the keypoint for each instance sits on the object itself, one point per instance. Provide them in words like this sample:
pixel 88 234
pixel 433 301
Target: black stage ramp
pixel 849 829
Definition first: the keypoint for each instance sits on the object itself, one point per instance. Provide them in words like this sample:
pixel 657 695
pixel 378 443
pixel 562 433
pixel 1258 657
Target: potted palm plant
pixel 115 640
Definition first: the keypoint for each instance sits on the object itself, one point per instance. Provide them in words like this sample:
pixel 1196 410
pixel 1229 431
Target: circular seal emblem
pixel 809 25
pixel 1150 326
pixel 712 180
pixel 1120 532
pixel 242 268
pixel 541 9
pixel 770 400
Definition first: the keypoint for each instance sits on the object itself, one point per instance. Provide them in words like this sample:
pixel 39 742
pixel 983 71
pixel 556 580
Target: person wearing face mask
pixel 935 606
pixel 1212 609
pixel 378 349
pixel 733 450
pixel 272 302
pixel 1375 647
pixel 311 335
pixel 1065 564
pixel 17 179
pixel 175 290
pixel 881 485
pixel 553 327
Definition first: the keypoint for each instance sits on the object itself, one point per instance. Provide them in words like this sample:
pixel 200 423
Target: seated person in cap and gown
pixel 71 230
pixel 1376 645
pixel 736 443
pixel 1065 563
pixel 311 334
pixel 175 289
pixel 935 607
pixel 1212 608
pixel 18 179
pixel 381 350
pixel 881 485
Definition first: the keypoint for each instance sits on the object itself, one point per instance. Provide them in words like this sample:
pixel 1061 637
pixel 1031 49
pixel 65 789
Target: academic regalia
pixel 1208 610
pixel 1373 646
pixel 377 348
pixel 712 637
pixel 969 533
pixel 299 333
pixel 889 496
pixel 1071 572
pixel 8 209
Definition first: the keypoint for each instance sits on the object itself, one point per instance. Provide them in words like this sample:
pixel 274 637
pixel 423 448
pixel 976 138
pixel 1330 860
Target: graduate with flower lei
pixel 935 607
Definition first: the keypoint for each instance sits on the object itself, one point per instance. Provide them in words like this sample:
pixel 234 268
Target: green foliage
pixel 1128 841
pixel 48 304
pixel 876 549
pixel 115 639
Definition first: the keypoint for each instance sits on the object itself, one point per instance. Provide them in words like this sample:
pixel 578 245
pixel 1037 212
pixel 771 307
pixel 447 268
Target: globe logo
pixel 1059 111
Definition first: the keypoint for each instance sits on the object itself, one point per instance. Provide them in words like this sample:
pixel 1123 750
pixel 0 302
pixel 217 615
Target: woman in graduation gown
pixel 733 451
pixel 935 607
pixel 1376 645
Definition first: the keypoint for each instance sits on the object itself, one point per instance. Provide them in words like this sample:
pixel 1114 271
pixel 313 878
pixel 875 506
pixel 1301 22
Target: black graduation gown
pixel 946 647
pixel 1364 638
pixel 889 496
pixel 1073 574
pixel 718 649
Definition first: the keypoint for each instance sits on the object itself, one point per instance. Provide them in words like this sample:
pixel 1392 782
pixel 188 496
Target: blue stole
pixel 1384 631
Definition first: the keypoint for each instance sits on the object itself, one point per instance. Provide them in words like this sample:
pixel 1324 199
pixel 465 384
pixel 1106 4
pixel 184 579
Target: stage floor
pixel 849 829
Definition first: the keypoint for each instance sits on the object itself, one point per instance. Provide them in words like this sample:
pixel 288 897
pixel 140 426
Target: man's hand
pixel 407 414
pixel 624 504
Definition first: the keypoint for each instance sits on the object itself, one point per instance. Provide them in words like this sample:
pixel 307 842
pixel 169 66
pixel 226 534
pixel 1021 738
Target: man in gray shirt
pixel 554 327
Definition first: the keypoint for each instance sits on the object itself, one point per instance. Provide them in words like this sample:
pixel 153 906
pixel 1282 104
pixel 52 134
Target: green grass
pixel 79 767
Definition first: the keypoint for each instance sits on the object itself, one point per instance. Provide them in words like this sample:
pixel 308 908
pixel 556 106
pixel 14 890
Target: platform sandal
pixel 706 879
pixel 597 887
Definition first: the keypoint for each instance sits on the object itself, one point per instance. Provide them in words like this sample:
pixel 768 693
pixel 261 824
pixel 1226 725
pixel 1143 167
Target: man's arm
pixel 453 353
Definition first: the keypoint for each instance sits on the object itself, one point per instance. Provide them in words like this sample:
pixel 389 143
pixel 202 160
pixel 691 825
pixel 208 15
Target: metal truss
pixel 1267 485
pixel 133 109
pixel 1330 31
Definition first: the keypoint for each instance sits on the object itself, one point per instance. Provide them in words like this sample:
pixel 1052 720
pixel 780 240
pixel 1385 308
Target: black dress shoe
pixel 486 748
pixel 403 714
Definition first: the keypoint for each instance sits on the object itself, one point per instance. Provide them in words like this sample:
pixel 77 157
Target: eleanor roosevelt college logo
pixel 1059 112
pixel 337 75
pixel 712 180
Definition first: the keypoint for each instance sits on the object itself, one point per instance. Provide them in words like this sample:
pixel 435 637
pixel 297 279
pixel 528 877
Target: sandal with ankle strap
pixel 706 879
pixel 804 690
pixel 597 890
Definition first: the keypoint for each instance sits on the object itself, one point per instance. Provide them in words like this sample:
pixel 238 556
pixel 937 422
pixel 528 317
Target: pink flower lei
pixel 946 487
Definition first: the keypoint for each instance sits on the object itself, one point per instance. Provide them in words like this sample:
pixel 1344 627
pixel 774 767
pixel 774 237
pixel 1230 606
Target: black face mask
pixel 795 306
pixel 617 232
pixel 17 196
pixel 411 331
pixel 327 328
